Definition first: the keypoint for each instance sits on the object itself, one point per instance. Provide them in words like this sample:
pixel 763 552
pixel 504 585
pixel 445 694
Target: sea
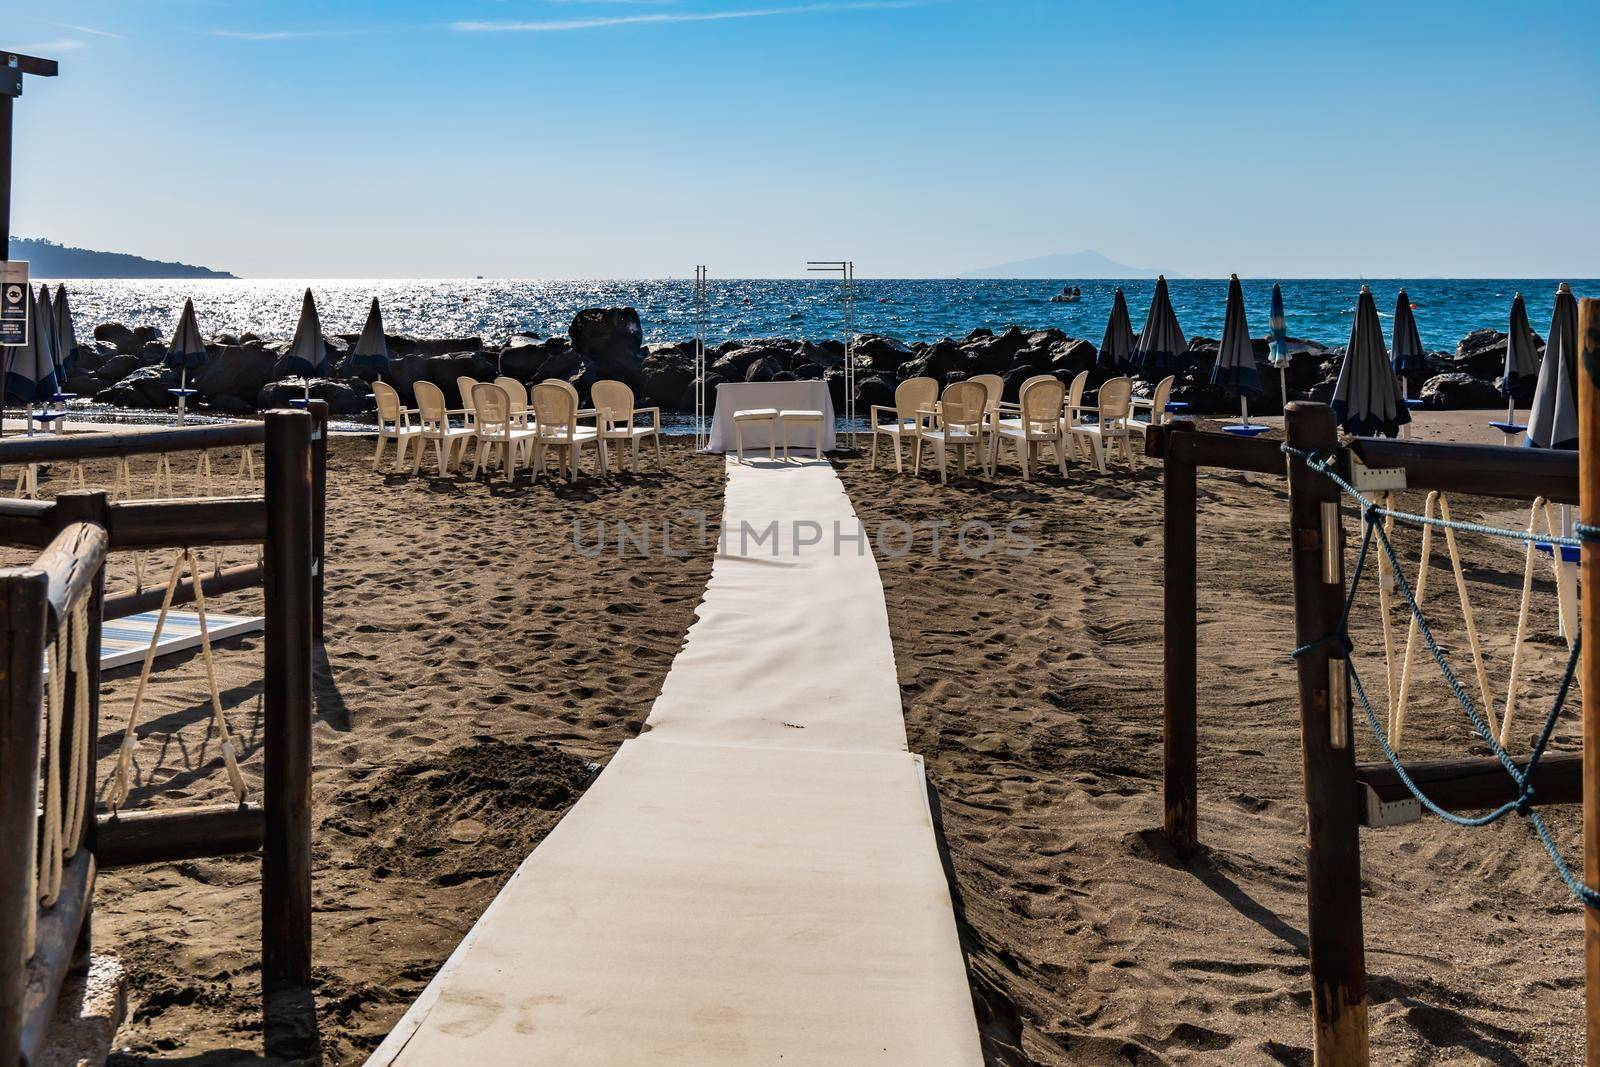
pixel 1320 309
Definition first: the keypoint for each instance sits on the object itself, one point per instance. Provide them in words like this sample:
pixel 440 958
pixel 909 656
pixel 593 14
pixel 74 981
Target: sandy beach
pixel 477 665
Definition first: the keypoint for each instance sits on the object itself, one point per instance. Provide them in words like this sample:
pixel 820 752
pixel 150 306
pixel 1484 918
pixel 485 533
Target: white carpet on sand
pixel 756 877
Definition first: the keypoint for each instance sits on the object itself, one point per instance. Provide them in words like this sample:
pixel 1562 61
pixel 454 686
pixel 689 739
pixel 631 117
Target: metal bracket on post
pixel 1376 479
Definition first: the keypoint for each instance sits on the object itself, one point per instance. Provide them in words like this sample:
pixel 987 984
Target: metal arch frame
pixel 701 309
pixel 846 270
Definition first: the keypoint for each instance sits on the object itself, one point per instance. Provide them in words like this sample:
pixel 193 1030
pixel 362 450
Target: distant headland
pixel 1071 265
pixel 46 259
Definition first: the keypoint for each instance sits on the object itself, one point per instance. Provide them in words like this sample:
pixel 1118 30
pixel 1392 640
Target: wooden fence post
pixel 1333 848
pixel 22 628
pixel 286 793
pixel 319 509
pixel 1589 670
pixel 92 506
pixel 1178 663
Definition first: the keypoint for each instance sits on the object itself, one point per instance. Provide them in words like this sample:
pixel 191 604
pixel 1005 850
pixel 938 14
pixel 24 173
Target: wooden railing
pixel 52 611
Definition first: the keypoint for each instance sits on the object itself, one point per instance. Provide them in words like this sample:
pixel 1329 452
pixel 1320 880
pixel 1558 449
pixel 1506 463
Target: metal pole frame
pixel 846 270
pixel 701 302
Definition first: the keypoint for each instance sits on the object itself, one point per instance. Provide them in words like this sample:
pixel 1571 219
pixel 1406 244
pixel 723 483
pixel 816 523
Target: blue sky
pixel 617 138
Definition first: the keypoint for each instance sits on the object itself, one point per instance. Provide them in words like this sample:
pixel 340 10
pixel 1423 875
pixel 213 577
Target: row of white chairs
pixel 506 422
pixel 971 414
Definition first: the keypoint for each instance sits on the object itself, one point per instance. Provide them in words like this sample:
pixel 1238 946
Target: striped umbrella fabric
pixel 66 336
pixel 1406 352
pixel 1553 421
pixel 187 350
pixel 1367 400
pixel 371 353
pixel 1162 347
pixel 47 331
pixel 308 352
pixel 1235 368
pixel 1522 350
pixel 1278 328
pixel 30 372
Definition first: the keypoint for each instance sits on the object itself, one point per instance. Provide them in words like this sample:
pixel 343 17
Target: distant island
pixel 1066 265
pixel 46 259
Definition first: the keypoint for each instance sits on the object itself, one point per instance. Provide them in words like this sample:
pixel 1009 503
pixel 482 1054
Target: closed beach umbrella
pixel 1522 356
pixel 1278 345
pixel 308 352
pixel 371 352
pixel 1553 421
pixel 187 351
pixel 66 336
pixel 47 337
pixel 1367 400
pixel 1235 369
pixel 1116 348
pixel 1406 352
pixel 30 372
pixel 1161 345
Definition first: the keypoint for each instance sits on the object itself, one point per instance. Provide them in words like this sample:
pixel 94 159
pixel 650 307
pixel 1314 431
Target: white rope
pixel 229 754
pixel 1522 625
pixel 78 796
pixel 50 830
pixel 1467 615
pixel 1385 588
pixel 1564 603
pixel 1397 718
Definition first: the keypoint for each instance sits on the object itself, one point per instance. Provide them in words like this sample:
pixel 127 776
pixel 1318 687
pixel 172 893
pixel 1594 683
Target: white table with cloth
pixel 783 396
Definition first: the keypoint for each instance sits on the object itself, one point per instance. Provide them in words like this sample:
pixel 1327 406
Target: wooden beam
pixel 1179 710
pixel 238 520
pixel 22 622
pixel 132 602
pixel 1589 667
pixel 71 563
pixel 26 523
pixel 1477 783
pixel 1486 470
pixel 131 838
pixel 39 68
pixel 319 510
pixel 55 948
pixel 1333 847
pixel 286 793
pixel 47 448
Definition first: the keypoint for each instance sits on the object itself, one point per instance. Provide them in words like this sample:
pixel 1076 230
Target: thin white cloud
pixel 663 18
pixel 90 30
pixel 47 48
pixel 279 35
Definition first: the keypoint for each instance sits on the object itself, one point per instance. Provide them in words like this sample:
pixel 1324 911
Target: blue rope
pixel 1340 640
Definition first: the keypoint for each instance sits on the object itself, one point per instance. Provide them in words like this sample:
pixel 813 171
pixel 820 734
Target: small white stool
pixel 804 420
pixel 766 415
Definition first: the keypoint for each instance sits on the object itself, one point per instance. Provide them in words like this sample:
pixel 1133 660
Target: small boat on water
pixel 1069 294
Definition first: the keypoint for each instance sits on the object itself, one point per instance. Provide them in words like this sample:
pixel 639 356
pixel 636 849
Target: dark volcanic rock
pixel 117 368
pixel 612 340
pixel 144 388
pixel 882 353
pixel 1456 390
pixel 667 376
pixel 344 396
pixel 1482 354
pixel 129 340
pixel 874 390
pixel 234 371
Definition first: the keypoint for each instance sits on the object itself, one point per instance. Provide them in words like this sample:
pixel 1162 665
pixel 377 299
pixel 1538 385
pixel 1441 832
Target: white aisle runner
pixel 755 879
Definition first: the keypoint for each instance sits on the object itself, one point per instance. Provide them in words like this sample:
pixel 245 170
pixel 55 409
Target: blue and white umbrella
pixel 307 355
pixel 186 352
pixel 66 336
pixel 1235 369
pixel 47 330
pixel 1367 400
pixel 1162 348
pixel 30 373
pixel 1406 352
pixel 1522 356
pixel 1278 341
pixel 1116 347
pixel 1553 419
pixel 371 353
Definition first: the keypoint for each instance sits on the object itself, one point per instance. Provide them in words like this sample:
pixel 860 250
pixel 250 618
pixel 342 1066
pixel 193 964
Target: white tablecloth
pixel 791 396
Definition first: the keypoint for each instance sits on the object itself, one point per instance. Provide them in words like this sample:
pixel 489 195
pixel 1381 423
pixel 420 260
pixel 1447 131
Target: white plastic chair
pixel 1156 404
pixel 910 396
pixel 1109 428
pixel 394 424
pixel 1038 423
pixel 517 393
pixel 613 402
pixel 433 420
pixel 957 422
pixel 464 386
pixel 555 425
pixel 495 431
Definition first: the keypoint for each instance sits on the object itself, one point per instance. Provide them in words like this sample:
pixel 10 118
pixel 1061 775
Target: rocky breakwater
pixel 246 373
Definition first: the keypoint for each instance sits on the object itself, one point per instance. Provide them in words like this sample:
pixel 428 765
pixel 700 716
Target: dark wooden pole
pixel 319 509
pixel 1589 670
pixel 286 795
pixel 1178 701
pixel 92 506
pixel 22 628
pixel 1333 847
